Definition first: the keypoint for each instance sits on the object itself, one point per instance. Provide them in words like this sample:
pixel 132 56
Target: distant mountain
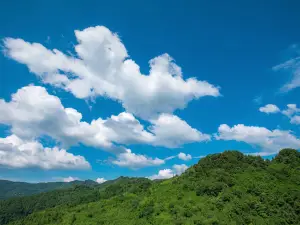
pixel 10 189
pixel 221 189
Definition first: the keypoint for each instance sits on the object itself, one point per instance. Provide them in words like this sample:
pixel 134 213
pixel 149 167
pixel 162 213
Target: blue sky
pixel 96 107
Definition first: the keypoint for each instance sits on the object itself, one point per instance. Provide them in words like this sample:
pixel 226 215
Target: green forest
pixel 10 189
pixel 226 188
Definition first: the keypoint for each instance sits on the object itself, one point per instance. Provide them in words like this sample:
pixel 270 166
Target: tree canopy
pixel 225 188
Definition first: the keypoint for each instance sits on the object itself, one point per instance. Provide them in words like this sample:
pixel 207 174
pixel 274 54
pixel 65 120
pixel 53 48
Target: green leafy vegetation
pixel 10 189
pixel 226 188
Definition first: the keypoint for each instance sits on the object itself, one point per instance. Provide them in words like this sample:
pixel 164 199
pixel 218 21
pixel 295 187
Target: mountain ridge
pixel 224 188
pixel 10 189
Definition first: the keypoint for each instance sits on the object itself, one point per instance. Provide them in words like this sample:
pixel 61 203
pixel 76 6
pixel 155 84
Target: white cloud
pixel 162 174
pixel 100 180
pixel 291 110
pixel 102 68
pixel 167 131
pixel 269 108
pixel 184 156
pixel 17 153
pixel 295 120
pixel 135 161
pixel 293 113
pixel 33 112
pixel 70 179
pixel 292 66
pixel 126 129
pixel 168 173
pixel 270 141
pixel 179 169
pixel 171 131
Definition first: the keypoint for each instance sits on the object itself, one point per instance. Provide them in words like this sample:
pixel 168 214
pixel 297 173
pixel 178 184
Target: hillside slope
pixel 10 189
pixel 226 188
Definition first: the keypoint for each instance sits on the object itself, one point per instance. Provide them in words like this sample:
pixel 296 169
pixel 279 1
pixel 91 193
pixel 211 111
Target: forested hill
pixel 10 189
pixel 226 188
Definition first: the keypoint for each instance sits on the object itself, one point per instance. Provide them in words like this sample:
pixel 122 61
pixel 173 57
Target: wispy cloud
pixel 292 68
pixel 258 100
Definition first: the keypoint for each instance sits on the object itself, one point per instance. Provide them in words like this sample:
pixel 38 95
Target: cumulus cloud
pixel 295 120
pixel 17 153
pixel 269 108
pixel 292 112
pixel 271 141
pixel 162 174
pixel 171 131
pixel 126 129
pixel 168 173
pixel 70 179
pixel 102 67
pixel 179 169
pixel 33 112
pixel 134 161
pixel 100 180
pixel 184 156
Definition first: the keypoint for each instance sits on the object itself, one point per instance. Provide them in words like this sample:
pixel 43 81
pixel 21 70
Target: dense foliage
pixel 227 188
pixel 10 189
pixel 83 192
